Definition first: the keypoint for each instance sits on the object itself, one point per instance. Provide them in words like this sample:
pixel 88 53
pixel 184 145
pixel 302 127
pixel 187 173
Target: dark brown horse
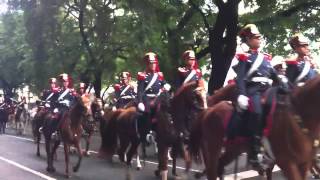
pixel 89 125
pixel 294 134
pixel 174 118
pixel 70 130
pixel 37 124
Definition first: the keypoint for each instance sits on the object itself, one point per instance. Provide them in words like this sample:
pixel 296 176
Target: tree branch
pixel 185 19
pixel 204 18
pixel 289 12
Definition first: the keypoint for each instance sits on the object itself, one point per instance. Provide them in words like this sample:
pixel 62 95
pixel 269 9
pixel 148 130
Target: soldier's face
pixel 191 62
pixel 254 42
pixel 65 84
pixel 52 85
pixel 125 80
pixel 152 67
pixel 302 50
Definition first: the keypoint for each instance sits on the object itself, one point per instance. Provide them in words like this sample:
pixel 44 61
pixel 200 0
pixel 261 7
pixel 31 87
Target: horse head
pixel 227 93
pixel 187 102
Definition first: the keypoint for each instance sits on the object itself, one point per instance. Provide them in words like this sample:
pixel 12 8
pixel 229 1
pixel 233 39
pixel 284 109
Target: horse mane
pixel 306 99
pixel 227 93
pixel 76 113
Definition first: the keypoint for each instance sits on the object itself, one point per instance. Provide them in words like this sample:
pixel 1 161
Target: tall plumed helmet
pixel 52 80
pixel 249 31
pixel 82 85
pixel 125 75
pixel 189 54
pixel 150 57
pixel 65 78
pixel 298 40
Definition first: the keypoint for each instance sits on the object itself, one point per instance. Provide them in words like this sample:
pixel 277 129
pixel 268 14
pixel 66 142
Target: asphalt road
pixel 18 160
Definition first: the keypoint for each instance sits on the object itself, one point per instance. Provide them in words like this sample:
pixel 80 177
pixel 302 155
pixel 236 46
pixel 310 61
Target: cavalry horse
pixel 70 130
pixel 89 125
pixel 3 118
pixel 21 118
pixel 186 103
pixel 120 135
pixel 293 133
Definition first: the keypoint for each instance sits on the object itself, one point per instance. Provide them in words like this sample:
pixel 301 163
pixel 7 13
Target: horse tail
pixel 108 131
pixel 195 139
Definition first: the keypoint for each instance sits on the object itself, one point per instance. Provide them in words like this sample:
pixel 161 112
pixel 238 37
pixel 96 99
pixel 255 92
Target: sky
pixel 3 6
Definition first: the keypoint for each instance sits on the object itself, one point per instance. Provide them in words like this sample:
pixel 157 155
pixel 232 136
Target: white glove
pixel 243 102
pixel 167 87
pixel 141 107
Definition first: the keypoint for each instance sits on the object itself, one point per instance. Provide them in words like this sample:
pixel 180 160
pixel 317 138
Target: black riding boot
pixel 255 143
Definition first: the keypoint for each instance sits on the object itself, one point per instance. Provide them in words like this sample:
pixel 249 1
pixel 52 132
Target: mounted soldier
pixel 65 99
pixel 300 68
pixel 254 76
pixel 124 91
pixel 51 95
pixel 189 72
pixel 150 84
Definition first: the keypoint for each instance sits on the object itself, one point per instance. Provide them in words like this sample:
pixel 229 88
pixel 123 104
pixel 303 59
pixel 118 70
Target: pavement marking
pixel 27 169
pixel 240 175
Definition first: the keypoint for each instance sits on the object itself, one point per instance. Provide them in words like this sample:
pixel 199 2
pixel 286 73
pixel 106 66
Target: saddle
pixel 238 123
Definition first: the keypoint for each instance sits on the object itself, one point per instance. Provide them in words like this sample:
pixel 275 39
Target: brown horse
pixel 36 124
pixel 70 130
pixel 89 125
pixel 293 137
pixel 187 102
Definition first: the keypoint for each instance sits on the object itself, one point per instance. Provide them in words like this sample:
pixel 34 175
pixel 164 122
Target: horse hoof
pixel 198 175
pixel 68 176
pixel 139 168
pixel 86 154
pixel 157 173
pixel 38 154
pixel 316 176
pixel 75 169
pixel 51 169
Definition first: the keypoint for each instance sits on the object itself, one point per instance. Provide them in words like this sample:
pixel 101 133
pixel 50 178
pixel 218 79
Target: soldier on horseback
pixel 150 85
pixel 254 76
pixel 190 72
pixel 51 95
pixel 124 91
pixel 65 99
pixel 301 68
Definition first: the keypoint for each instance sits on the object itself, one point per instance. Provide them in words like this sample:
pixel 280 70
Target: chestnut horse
pixel 294 134
pixel 70 130
pixel 187 102
pixel 89 125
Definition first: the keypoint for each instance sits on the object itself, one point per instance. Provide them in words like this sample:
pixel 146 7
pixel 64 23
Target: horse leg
pixel 315 170
pixel 131 152
pixel 66 156
pixel 290 170
pixel 77 144
pixel 139 167
pixel 269 172
pixel 124 143
pixel 50 167
pixel 230 154
pixel 38 139
pixel 163 161
pixel 88 141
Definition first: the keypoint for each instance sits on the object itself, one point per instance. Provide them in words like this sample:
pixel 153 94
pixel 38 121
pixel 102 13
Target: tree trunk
pixel 222 42
pixel 97 83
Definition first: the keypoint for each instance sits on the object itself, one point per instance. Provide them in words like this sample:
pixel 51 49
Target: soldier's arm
pixel 241 76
